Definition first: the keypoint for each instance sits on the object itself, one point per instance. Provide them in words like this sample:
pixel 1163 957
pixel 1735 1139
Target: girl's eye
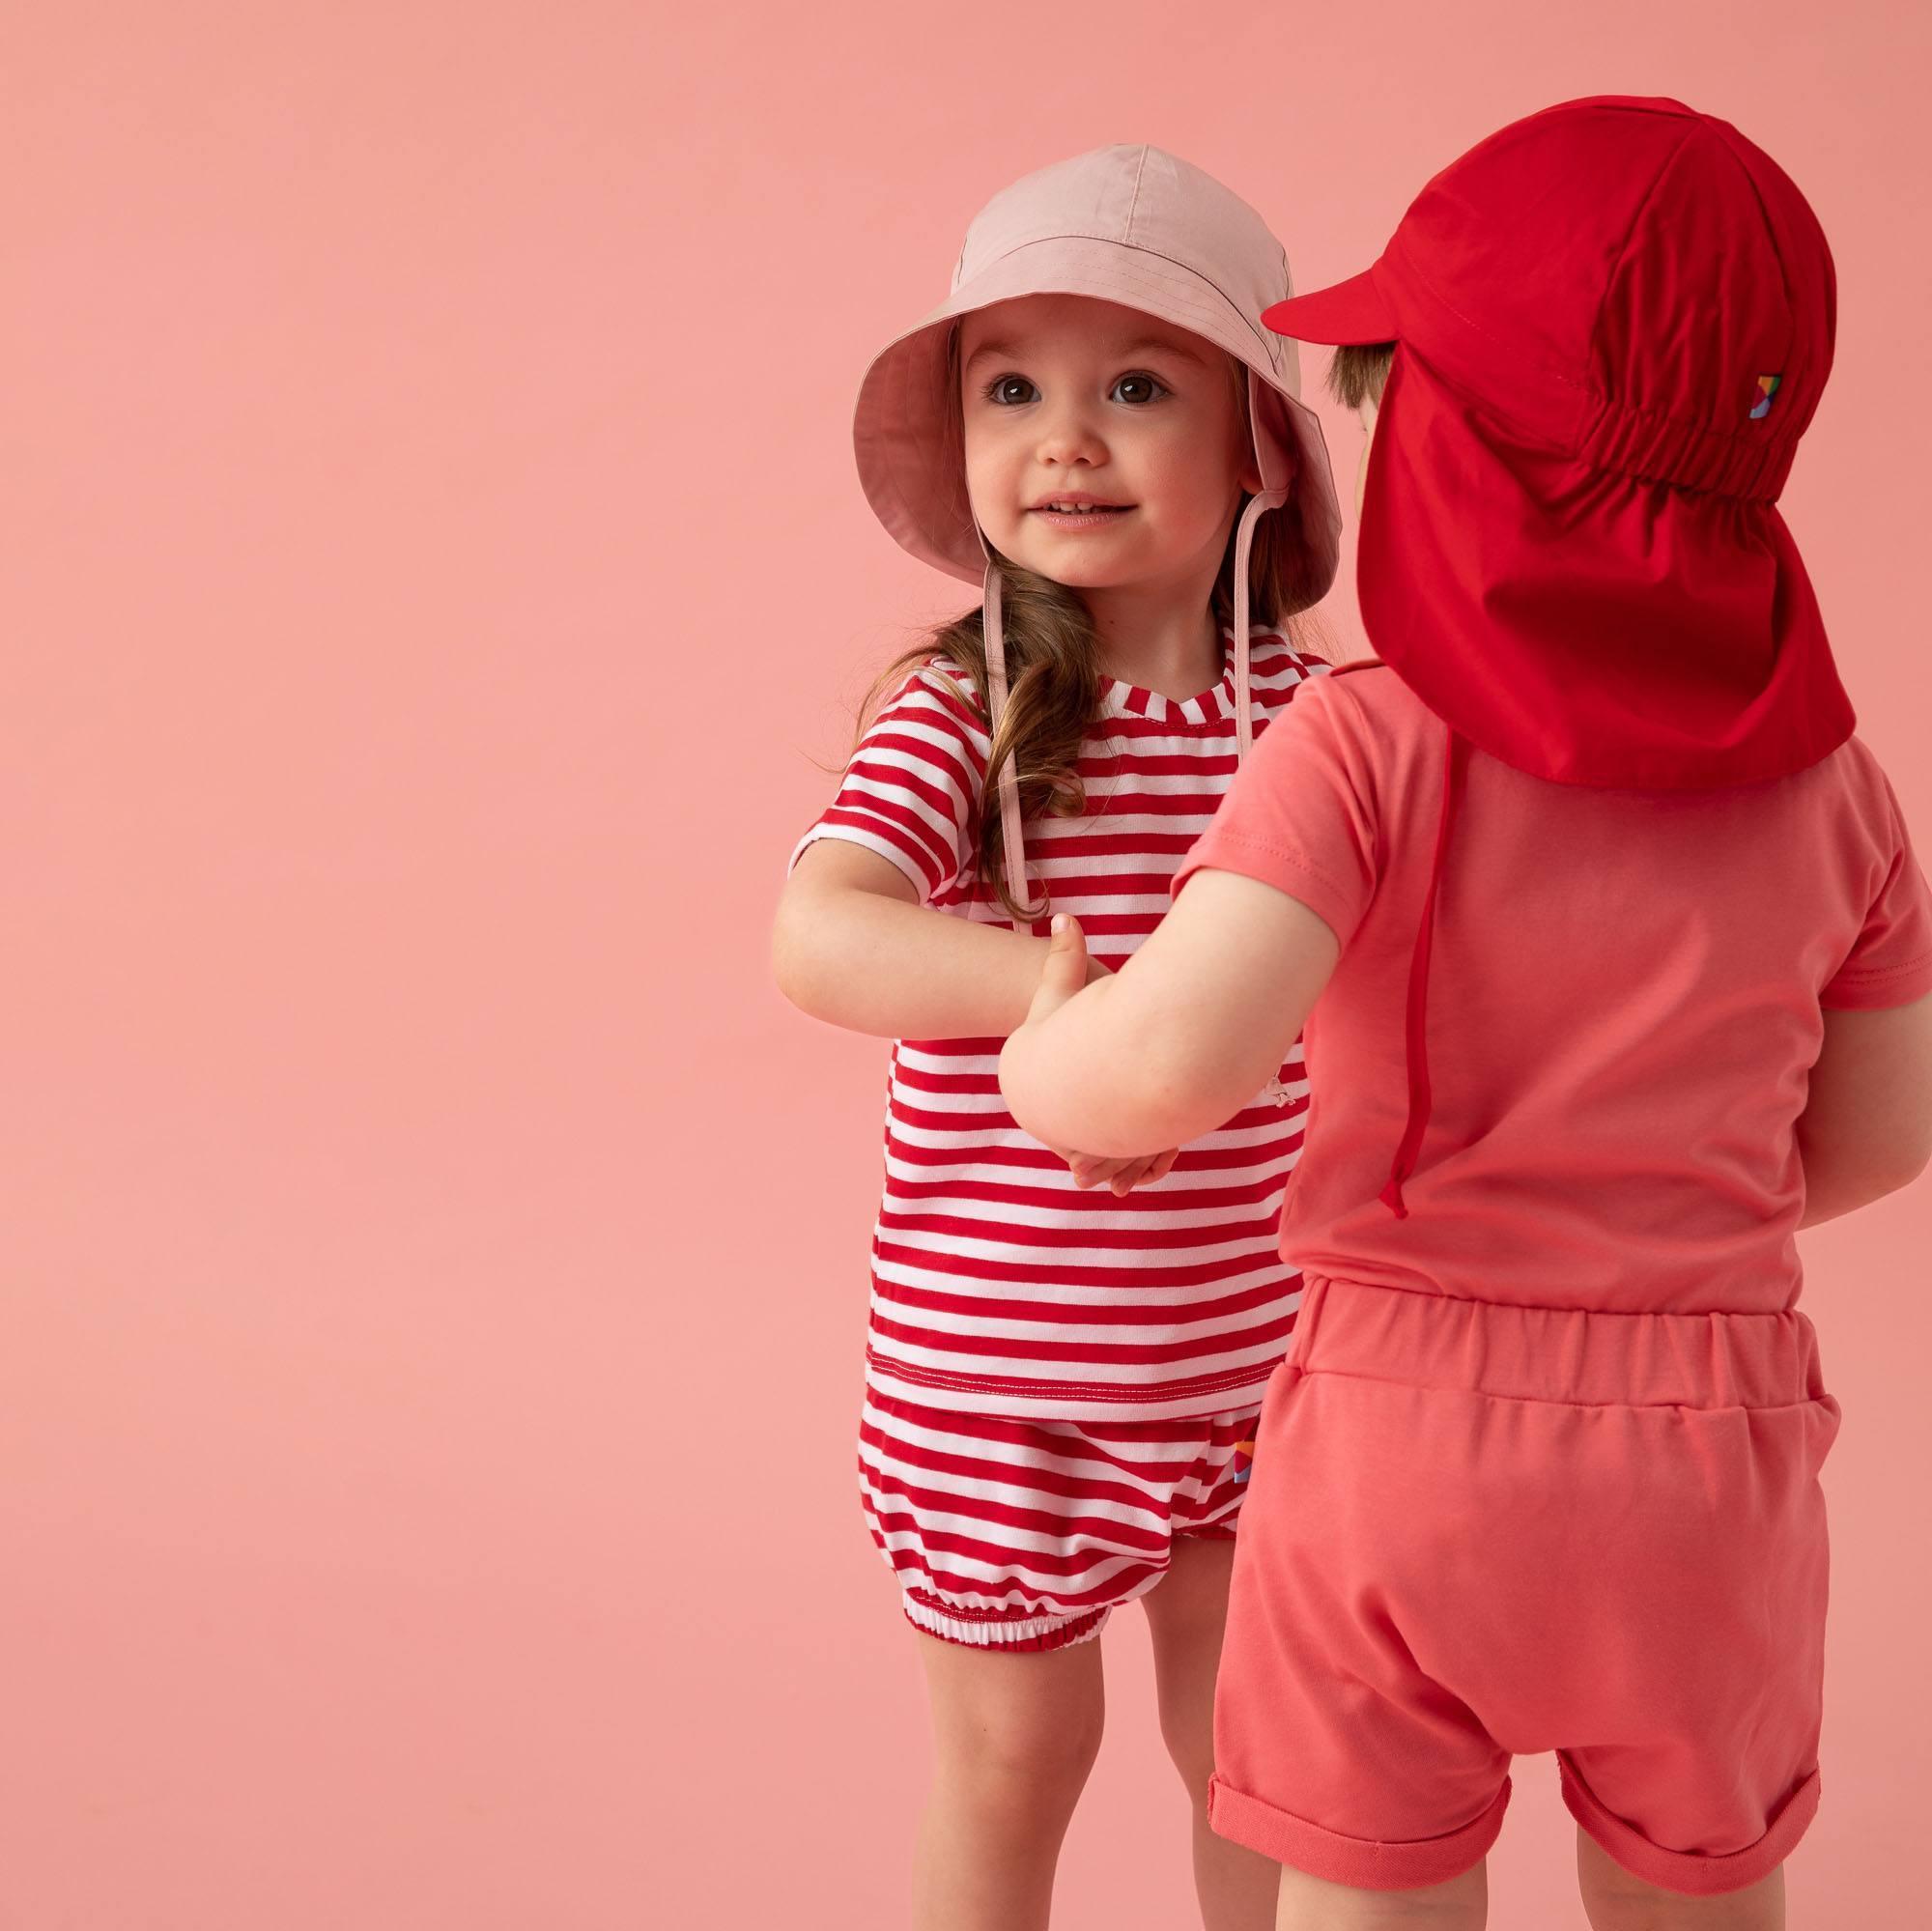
pixel 1010 391
pixel 1146 388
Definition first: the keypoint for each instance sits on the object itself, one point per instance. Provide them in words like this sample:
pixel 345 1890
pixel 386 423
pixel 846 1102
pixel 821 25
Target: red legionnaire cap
pixel 1612 320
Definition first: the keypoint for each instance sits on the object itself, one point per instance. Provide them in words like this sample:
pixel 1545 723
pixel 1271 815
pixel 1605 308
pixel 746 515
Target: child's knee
pixel 1009 1758
pixel 1616 1899
pixel 1190 1749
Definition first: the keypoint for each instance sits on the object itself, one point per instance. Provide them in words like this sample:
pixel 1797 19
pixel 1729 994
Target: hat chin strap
pixel 1244 542
pixel 995 643
pixel 1012 837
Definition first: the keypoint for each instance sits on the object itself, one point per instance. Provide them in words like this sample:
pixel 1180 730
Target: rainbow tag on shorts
pixel 1769 385
pixel 1244 1461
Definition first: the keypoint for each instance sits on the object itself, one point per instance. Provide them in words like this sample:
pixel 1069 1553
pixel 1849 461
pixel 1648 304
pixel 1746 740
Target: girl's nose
pixel 1068 436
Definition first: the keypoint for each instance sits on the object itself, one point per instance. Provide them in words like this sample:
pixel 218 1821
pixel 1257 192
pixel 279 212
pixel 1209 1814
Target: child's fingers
pixel 1089 1169
pixel 1144 1171
pixel 1097 1173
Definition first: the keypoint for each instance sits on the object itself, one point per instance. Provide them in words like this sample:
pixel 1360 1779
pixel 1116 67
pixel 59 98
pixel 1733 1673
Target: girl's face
pixel 1132 425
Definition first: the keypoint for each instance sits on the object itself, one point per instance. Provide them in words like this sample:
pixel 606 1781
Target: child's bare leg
pixel 1314 1904
pixel 1013 1738
pixel 1187 1610
pixel 1614 1900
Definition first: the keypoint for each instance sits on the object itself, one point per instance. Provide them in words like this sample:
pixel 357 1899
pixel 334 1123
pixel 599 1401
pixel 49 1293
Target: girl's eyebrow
pixel 1150 344
pixel 1160 346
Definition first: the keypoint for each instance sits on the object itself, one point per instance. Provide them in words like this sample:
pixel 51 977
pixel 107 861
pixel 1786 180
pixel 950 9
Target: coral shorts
pixel 1473 1531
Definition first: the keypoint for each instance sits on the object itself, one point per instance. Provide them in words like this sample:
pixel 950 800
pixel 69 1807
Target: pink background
pixel 432 1258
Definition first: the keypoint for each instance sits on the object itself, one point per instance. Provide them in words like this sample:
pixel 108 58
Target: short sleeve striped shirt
pixel 997 1286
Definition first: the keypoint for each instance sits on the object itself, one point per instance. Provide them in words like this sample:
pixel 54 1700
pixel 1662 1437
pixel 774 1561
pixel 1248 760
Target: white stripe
pixel 1019 1629
pixel 1051 1295
pixel 1149 1516
pixel 1186 1449
pixel 1136 1401
pixel 1131 1373
pixel 993 1327
pixel 1035 1582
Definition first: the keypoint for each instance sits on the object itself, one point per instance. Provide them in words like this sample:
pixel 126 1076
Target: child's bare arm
pixel 1866 1128
pixel 853 945
pixel 1186 1034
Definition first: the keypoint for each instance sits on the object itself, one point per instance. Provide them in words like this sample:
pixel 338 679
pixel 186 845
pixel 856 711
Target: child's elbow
pixel 794 960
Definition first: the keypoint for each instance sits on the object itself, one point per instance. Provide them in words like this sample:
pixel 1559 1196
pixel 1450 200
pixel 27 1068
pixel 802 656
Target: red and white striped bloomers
pixel 1025 1534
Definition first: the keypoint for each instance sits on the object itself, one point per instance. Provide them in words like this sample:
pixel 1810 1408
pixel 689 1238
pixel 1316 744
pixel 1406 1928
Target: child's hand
pixel 1122 1176
pixel 1068 970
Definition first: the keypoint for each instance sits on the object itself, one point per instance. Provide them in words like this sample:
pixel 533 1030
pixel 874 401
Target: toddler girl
pixel 1065 1361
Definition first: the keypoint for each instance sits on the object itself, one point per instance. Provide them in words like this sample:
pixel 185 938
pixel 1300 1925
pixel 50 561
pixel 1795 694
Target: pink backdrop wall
pixel 431 1256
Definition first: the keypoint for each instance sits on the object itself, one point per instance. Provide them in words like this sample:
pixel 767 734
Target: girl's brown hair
pixel 1053 666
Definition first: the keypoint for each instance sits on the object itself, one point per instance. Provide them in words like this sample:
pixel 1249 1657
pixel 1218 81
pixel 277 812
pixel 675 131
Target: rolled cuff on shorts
pixel 1362 1862
pixel 1694 1873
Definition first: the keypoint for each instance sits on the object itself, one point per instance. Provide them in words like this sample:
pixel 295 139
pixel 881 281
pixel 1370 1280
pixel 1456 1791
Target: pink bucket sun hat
pixel 1141 228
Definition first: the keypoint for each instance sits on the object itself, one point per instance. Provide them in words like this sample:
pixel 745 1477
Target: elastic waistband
pixel 1579 1356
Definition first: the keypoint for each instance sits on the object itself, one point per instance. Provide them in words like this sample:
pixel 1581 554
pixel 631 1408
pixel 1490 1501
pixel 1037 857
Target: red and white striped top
pixel 997 1286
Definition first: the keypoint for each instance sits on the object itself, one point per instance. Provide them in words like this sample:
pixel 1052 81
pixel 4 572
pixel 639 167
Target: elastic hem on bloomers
pixel 1005 1633
pixel 1357 1861
pixel 1695 1874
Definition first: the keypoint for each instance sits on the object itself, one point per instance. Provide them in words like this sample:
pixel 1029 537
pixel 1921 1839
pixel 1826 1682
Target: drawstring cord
pixel 994 630
pixel 1010 836
pixel 1245 537
pixel 1421 1095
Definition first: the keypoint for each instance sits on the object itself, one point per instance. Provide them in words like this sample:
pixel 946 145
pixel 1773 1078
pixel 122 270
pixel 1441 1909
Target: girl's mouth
pixel 1079 515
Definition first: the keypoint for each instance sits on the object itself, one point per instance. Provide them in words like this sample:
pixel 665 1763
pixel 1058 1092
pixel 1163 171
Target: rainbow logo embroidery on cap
pixel 1769 385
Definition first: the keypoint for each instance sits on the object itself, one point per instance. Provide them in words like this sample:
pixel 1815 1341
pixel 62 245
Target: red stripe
pixel 1122 1583
pixel 997 1119
pixel 918 768
pixel 1156 764
pixel 1156 803
pixel 973 729
pixel 1169 1199
pixel 1109 844
pixel 914 849
pixel 1193 1159
pixel 1192 1274
pixel 1146 1313
pixel 1113 885
pixel 1084 1441
pixel 1127 1393
pixel 1105 1539
pixel 1022 1234
pixel 1084 1486
pixel 942 860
